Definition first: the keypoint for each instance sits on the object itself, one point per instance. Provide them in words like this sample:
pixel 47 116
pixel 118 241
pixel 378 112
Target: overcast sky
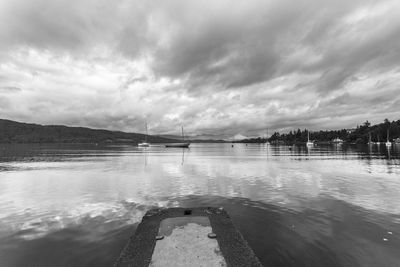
pixel 218 67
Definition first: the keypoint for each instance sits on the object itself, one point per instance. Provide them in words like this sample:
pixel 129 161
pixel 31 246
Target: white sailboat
pixel 369 139
pixel 181 145
pixel 388 143
pixel 144 143
pixel 309 143
pixel 378 143
pixel 337 141
pixel 266 139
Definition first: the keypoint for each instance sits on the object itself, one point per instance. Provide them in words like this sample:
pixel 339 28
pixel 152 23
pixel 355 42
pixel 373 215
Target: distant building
pixel 350 130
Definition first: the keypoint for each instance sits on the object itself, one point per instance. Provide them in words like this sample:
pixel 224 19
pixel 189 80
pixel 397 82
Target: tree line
pixel 360 134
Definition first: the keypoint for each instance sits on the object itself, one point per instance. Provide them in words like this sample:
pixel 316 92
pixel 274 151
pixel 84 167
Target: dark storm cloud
pixel 242 48
pixel 74 27
pixel 231 43
pixel 227 46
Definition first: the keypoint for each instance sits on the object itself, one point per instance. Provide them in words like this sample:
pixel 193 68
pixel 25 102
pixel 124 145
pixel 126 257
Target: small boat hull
pixel 179 145
pixel 337 141
pixel 143 145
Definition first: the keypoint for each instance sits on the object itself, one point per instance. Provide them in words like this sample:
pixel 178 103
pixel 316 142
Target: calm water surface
pixel 77 205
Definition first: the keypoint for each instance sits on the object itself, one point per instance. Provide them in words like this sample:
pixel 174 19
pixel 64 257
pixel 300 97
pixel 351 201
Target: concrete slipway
pixel 187 237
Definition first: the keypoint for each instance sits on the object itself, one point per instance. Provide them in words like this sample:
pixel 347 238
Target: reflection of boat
pixel 337 140
pixel 387 139
pixel 144 143
pixel 180 145
pixel 201 236
pixel 309 143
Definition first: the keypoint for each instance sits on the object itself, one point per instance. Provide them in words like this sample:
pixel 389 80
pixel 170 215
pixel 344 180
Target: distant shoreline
pixel 18 132
pixel 362 134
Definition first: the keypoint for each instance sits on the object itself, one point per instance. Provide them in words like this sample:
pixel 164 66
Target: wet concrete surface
pixel 140 248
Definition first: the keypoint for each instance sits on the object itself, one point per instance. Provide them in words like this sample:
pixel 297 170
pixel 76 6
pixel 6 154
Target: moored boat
pixel 388 143
pixel 144 143
pixel 369 139
pixel 309 143
pixel 337 140
pixel 183 144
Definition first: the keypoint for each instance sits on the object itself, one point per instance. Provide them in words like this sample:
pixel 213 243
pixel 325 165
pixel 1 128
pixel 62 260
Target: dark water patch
pixel 339 234
pixel 66 247
pixel 94 241
pixel 326 232
pixel 58 152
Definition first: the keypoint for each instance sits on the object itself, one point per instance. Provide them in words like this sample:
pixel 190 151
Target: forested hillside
pixel 360 134
pixel 16 132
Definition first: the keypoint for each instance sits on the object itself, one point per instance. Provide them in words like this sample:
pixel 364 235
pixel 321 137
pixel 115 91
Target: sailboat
pixel 266 138
pixel 337 141
pixel 182 145
pixel 378 143
pixel 388 143
pixel 309 143
pixel 369 139
pixel 144 143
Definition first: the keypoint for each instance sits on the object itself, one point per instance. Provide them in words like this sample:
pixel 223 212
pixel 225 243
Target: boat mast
pixel 145 137
pixel 183 137
pixel 387 136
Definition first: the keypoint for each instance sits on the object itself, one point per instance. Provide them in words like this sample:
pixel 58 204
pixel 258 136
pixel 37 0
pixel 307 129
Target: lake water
pixel 77 205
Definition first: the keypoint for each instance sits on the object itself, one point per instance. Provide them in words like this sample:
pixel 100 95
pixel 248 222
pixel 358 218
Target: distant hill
pixel 193 140
pixel 17 132
pixel 171 136
pixel 207 141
